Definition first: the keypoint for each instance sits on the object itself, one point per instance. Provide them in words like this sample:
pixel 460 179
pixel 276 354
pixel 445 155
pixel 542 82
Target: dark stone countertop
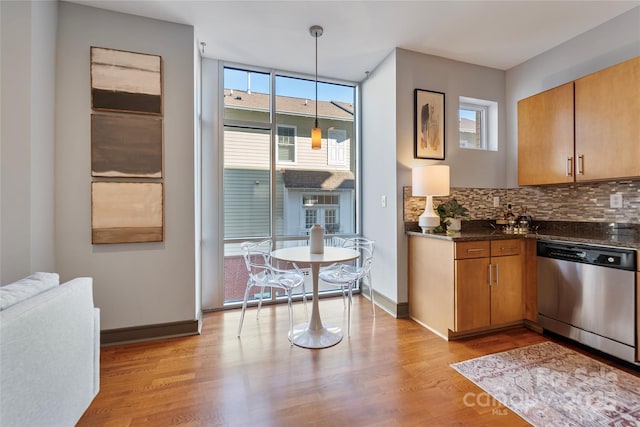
pixel 607 234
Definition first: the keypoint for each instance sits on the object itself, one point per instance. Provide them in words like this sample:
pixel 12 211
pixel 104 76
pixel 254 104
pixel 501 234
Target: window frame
pixel 271 126
pixel 295 144
pixel 488 112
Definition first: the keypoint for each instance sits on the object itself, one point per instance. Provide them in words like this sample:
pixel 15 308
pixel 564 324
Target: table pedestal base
pixel 327 336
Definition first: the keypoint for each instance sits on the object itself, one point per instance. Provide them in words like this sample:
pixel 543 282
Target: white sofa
pixel 49 351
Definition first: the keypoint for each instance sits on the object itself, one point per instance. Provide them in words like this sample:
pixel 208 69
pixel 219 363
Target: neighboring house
pixel 313 186
pixel 468 133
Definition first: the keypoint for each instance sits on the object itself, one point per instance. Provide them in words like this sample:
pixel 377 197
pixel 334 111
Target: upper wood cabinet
pixel 587 130
pixel 545 137
pixel 607 116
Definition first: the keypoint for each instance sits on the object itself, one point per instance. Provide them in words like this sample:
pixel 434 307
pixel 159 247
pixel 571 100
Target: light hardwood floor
pixel 391 372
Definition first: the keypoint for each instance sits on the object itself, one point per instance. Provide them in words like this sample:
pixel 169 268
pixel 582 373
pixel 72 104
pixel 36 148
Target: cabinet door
pixel 607 119
pixel 472 294
pixel 506 289
pixel 545 137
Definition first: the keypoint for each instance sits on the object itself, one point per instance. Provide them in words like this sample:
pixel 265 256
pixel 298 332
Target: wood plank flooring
pixel 390 372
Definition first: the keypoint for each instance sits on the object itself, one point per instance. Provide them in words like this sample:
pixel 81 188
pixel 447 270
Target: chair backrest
pixel 257 258
pixel 365 247
pixel 337 242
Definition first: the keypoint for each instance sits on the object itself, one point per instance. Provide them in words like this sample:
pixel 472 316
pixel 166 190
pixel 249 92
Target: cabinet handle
pixel 509 248
pixel 581 164
pixel 490 276
pixel 475 250
pixel 497 274
pixel 570 166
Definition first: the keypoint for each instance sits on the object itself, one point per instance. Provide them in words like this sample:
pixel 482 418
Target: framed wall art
pixel 428 124
pixel 127 212
pixel 126 81
pixel 126 146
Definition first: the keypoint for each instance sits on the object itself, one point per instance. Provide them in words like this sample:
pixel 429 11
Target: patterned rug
pixel 550 385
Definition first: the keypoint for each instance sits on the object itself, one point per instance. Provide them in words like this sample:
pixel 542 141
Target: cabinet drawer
pixel 475 249
pixel 505 247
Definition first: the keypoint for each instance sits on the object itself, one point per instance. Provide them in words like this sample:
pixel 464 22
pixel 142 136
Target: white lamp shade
pixel 430 180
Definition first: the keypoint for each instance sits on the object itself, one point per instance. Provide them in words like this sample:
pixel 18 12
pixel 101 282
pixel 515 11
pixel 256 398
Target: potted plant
pixel 451 213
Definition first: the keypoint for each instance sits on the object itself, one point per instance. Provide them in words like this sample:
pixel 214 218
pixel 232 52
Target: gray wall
pixel 138 283
pixel 28 34
pixel 388 120
pixel 608 44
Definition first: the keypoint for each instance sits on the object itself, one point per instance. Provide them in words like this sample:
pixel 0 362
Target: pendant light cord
pixel 316 37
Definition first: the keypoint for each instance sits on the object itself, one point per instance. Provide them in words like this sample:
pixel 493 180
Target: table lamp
pixel 430 181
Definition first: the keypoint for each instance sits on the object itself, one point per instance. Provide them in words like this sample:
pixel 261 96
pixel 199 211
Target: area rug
pixel 550 385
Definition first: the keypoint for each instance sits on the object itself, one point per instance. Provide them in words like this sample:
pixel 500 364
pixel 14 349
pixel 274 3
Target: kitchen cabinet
pixel 607 112
pixel 586 130
pixel 460 288
pixel 488 284
pixel 545 137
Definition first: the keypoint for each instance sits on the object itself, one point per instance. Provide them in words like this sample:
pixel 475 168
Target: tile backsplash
pixel 588 202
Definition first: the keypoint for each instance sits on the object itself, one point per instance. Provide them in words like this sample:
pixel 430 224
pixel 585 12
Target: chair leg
pixel 344 297
pixel 350 291
pixel 304 298
pixel 244 308
pixel 260 301
pixel 290 317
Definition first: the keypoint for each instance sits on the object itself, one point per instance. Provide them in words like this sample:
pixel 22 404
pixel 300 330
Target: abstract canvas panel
pixel 428 125
pixel 126 146
pixel 127 212
pixel 126 81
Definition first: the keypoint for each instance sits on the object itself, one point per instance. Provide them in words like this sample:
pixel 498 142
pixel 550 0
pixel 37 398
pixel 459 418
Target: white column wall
pixel 28 34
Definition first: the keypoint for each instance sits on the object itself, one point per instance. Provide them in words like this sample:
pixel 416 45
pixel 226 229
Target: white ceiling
pixel 358 35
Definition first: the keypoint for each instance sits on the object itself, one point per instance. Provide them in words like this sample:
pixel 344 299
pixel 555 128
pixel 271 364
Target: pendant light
pixel 316 133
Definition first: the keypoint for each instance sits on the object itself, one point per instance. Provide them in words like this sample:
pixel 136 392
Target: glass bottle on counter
pixel 511 219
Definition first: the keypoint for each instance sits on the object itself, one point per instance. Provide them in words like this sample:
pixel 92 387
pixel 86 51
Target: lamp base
pixel 429 219
pixel 428 223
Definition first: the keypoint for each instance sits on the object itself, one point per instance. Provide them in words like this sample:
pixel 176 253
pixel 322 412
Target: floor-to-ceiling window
pixel 275 185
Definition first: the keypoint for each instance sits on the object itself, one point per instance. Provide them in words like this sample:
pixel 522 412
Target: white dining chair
pixel 348 275
pixel 263 274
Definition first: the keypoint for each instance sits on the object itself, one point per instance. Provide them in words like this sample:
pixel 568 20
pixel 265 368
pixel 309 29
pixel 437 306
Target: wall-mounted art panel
pixel 127 212
pixel 126 146
pixel 126 81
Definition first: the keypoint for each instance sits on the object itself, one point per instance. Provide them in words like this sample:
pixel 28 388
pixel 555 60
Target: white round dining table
pixel 314 334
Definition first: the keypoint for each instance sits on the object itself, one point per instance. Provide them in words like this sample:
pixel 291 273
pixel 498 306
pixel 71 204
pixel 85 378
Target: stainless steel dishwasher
pixel 588 293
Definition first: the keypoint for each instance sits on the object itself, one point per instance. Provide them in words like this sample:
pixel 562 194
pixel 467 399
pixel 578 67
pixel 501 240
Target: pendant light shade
pixel 316 133
pixel 316 138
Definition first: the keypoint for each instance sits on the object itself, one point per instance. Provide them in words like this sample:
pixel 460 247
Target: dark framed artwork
pixel 126 146
pixel 127 212
pixel 429 124
pixel 126 81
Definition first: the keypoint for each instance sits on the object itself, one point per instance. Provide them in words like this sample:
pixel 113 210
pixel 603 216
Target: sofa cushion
pixel 25 288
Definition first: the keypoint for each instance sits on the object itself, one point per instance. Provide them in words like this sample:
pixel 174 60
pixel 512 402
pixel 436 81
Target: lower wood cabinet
pixel 488 282
pixel 464 287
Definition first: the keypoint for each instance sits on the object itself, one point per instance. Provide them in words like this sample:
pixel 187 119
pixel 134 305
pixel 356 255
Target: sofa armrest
pixel 48 356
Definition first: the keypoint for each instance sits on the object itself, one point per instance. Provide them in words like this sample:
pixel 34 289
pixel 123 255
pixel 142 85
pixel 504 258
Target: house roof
pixel 467 125
pixel 325 180
pixel 286 104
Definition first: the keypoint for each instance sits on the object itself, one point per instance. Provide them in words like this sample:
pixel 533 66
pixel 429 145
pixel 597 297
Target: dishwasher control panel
pixel 621 258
